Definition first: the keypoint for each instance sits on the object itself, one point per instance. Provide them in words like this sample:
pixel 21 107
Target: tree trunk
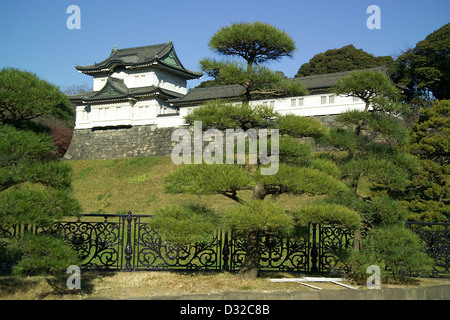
pixel 249 269
pixel 362 121
pixel 357 242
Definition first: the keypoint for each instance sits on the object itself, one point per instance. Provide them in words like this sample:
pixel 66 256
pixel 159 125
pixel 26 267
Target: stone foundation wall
pixel 138 141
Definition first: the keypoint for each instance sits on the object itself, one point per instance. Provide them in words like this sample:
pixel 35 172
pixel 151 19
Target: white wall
pixel 99 83
pixel 171 81
pixel 313 105
pixel 103 115
pixel 310 105
pixel 146 112
pixel 145 78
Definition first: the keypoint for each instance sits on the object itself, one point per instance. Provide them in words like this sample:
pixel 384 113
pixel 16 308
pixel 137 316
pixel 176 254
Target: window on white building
pixel 300 102
pixel 331 99
pixel 102 112
pixel 293 102
pixel 272 104
pixel 323 100
pixel 355 99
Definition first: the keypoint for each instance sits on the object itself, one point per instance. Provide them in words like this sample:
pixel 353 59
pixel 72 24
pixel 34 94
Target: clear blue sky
pixel 34 35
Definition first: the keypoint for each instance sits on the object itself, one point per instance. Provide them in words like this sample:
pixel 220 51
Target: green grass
pixel 136 185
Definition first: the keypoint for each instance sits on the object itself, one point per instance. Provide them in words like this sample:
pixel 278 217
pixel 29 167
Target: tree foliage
pixel 40 255
pixel 23 96
pixel 396 250
pixel 35 189
pixel 427 195
pixel 378 170
pixel 299 173
pixel 424 69
pixel 360 189
pixel 171 223
pixel 373 87
pixel 219 115
pixel 255 43
pixel 347 58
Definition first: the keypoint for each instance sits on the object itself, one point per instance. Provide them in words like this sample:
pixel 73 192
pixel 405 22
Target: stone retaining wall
pixel 138 141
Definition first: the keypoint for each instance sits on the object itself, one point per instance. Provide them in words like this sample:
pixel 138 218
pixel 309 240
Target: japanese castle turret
pixel 133 87
pixel 140 96
pixel 147 86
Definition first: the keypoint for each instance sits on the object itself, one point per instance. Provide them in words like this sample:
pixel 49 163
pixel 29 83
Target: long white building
pixel 148 86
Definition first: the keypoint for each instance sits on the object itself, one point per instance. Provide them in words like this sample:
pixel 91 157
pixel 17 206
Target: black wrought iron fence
pixel 128 243
pixel 436 240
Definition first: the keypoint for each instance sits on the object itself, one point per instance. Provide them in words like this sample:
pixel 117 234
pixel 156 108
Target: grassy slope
pixel 136 185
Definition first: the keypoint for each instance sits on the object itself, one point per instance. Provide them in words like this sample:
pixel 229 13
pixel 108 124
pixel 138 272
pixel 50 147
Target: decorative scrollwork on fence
pixel 334 243
pixel 130 244
pixel 278 253
pixel 435 238
pixel 97 243
pixel 154 253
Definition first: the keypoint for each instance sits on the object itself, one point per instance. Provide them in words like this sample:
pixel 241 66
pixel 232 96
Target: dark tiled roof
pixel 234 91
pixel 115 89
pixel 220 92
pixel 163 55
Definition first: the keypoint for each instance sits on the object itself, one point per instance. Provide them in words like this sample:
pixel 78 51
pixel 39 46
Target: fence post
pixel 314 253
pixel 226 253
pixel 128 247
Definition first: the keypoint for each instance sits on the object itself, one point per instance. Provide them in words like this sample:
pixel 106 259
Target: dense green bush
pixel 40 255
pixel 396 250
pixel 34 188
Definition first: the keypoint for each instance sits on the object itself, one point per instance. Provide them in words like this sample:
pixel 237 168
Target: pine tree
pixel 255 43
pixel 256 213
pixel 378 170
pixel 35 189
pixel 427 195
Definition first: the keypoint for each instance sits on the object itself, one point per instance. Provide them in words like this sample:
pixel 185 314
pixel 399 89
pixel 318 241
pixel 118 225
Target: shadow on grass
pixel 47 286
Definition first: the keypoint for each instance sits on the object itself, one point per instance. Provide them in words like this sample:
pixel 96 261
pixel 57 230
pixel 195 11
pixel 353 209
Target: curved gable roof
pixel 115 89
pixel 163 55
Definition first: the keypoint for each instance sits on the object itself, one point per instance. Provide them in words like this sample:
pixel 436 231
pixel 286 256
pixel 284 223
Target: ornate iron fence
pixel 436 240
pixel 128 243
